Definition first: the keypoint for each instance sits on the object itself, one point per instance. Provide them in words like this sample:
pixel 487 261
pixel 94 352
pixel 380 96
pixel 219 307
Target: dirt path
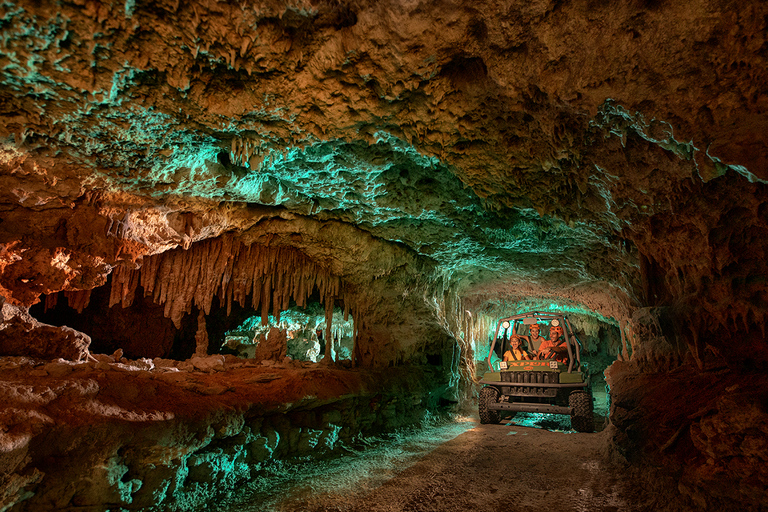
pixel 506 467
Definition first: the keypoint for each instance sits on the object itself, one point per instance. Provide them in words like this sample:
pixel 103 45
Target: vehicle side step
pixel 524 407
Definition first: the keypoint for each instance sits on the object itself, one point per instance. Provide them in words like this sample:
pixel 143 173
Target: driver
pixel 554 347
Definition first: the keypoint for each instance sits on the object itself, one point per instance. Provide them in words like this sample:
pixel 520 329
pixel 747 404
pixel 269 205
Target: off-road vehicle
pixel 538 385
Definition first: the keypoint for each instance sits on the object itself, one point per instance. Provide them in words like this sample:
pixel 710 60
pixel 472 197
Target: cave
pixel 240 238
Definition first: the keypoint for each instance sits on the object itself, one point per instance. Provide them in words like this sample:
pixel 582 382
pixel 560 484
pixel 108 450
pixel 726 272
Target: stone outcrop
pixel 22 335
pixel 272 347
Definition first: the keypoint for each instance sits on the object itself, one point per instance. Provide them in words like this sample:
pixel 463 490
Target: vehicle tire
pixel 582 419
pixel 488 396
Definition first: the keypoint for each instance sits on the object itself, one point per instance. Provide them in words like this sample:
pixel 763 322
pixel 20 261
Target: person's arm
pixel 544 349
pixel 556 349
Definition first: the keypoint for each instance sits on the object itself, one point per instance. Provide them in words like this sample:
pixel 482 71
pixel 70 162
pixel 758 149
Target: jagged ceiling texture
pixel 610 155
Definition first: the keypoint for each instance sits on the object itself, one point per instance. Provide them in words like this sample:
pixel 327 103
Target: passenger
pixel 554 347
pixel 516 351
pixel 535 340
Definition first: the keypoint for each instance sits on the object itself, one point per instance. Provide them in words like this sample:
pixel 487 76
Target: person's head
pixel 555 332
pixel 535 329
pixel 515 342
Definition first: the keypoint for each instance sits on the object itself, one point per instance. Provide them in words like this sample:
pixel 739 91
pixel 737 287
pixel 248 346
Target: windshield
pixel 524 335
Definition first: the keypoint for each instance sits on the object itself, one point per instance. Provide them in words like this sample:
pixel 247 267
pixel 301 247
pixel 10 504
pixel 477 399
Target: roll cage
pixel 534 317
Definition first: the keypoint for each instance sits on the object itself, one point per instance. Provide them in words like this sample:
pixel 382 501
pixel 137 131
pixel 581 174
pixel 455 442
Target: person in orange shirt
pixel 554 347
pixel 516 351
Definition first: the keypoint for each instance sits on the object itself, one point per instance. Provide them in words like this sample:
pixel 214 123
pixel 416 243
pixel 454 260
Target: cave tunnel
pixel 356 255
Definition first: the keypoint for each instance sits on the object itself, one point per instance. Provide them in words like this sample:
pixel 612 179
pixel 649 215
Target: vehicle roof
pixel 535 314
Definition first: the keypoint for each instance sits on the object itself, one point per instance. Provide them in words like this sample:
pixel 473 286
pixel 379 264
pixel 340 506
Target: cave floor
pixel 469 466
pixel 530 461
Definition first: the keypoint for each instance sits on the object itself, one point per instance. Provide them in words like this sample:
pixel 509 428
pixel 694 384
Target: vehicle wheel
pixel 582 419
pixel 488 396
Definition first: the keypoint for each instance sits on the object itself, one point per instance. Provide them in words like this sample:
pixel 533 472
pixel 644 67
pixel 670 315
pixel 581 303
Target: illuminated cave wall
pixel 305 334
pixel 434 162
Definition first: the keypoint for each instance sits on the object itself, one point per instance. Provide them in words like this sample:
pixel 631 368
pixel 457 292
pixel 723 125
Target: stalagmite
pixel 328 329
pixel 201 337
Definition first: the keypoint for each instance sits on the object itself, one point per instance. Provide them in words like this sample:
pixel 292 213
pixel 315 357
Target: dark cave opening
pixel 141 330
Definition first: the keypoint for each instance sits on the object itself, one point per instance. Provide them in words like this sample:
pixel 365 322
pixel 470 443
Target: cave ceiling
pixel 546 148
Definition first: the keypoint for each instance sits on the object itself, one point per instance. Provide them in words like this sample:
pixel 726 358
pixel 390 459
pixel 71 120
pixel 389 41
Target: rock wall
pixel 704 432
pixel 415 161
pixel 144 435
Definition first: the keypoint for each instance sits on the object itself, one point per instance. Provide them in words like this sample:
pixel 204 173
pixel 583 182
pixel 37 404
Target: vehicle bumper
pixel 526 407
pixel 500 384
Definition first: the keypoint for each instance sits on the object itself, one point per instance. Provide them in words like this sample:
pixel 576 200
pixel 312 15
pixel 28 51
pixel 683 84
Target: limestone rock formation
pixel 272 347
pixel 170 169
pixel 22 335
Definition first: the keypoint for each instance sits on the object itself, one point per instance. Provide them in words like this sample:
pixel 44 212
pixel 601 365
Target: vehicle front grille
pixel 530 378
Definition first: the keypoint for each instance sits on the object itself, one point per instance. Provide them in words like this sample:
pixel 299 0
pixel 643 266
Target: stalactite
pixel 622 347
pixel 346 310
pixel 210 254
pixel 78 299
pixel 355 356
pixel 117 285
pixel 226 269
pixel 124 283
pixel 276 293
pixel 696 345
pixel 265 298
pixel 149 273
pixel 256 287
pixel 50 301
pixel 133 284
pixel 298 288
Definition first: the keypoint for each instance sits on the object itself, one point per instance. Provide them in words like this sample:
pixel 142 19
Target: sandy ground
pixel 465 466
pixel 505 468
pixel 496 467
